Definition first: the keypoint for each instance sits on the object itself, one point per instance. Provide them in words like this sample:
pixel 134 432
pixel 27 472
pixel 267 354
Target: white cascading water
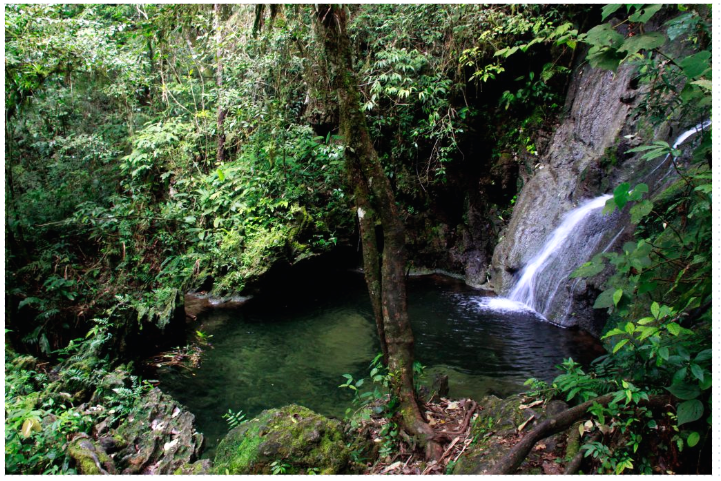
pixel 524 292
pixel 525 289
pixel 681 139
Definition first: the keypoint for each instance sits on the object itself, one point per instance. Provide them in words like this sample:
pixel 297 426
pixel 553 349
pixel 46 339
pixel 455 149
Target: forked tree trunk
pixel 375 203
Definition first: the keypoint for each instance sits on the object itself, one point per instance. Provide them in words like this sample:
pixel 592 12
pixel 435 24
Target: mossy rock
pixel 72 378
pixel 293 435
pixel 203 466
pixel 502 415
pixel 90 458
pixel 25 363
pixel 157 437
pixel 118 379
pixel 498 420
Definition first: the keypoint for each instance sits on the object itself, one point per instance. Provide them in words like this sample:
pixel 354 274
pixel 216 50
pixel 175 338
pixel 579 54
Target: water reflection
pixel 273 352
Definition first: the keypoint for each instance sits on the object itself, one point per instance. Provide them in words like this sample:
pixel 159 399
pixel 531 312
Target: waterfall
pixel 680 140
pixel 571 244
pixel 526 289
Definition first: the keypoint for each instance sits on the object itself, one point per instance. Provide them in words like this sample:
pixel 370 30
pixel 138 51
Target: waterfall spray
pixel 525 289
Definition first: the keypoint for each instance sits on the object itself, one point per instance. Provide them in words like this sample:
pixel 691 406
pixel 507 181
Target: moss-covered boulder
pixel 90 457
pixel 293 437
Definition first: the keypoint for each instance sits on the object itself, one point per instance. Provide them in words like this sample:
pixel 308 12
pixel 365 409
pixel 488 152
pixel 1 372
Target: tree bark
pixel 375 202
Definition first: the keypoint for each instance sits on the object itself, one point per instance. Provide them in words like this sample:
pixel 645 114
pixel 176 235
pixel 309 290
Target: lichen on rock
pixel 295 436
pixel 90 457
pixel 159 437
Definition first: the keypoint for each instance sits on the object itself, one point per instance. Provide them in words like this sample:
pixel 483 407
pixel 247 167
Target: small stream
pixel 294 347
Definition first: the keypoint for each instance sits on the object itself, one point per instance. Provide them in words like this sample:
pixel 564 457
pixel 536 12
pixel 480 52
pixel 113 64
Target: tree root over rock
pixel 509 463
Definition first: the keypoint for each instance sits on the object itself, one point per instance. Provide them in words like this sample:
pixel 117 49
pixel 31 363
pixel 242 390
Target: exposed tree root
pixel 575 464
pixel 514 458
pixel 456 415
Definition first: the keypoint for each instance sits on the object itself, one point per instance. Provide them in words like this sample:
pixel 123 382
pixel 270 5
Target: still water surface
pixel 291 348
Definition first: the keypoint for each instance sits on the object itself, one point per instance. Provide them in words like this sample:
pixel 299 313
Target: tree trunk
pixel 220 156
pixel 375 202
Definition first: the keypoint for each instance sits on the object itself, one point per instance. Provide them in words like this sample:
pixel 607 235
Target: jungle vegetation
pixel 155 149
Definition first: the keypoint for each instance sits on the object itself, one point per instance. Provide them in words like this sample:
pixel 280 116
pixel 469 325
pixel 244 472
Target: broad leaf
pixel 609 10
pixel 589 269
pixel 604 36
pixel 641 210
pixel 646 41
pixel 689 411
pixel 605 299
pixel 643 15
pixel 696 64
pixel 684 391
pixel 693 439
pixel 620 195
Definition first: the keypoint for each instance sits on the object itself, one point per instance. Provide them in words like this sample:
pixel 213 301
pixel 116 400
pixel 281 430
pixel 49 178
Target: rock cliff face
pixel 586 158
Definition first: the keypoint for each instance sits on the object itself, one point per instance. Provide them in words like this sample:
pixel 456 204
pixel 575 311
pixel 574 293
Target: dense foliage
pixel 154 149
pixel 659 293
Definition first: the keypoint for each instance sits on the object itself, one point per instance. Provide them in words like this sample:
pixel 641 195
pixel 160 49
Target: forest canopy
pixel 157 150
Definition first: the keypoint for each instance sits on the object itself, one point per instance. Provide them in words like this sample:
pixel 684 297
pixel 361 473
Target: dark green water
pixel 293 347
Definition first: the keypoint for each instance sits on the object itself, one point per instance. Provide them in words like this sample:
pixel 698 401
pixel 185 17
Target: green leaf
pixel 618 346
pixel 646 332
pixel 613 332
pixel 646 41
pixel 604 58
pixel 681 25
pixel 673 328
pixel 696 64
pixel 643 15
pixel 655 309
pixel 704 84
pixel 609 10
pixel 697 371
pixel 620 195
pixel 684 391
pixel 663 353
pixel 589 269
pixel 605 299
pixel 704 355
pixel 693 439
pixel 638 192
pixel 604 36
pixel 689 411
pixel 640 210
pixel 573 392
pixel 617 296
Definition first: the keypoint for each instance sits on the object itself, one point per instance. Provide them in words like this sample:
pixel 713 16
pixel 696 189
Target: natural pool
pixel 294 347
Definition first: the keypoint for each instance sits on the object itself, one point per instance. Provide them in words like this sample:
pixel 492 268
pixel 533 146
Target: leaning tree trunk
pixel 375 203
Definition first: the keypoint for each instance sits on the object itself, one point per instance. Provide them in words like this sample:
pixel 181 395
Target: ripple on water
pixel 267 354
